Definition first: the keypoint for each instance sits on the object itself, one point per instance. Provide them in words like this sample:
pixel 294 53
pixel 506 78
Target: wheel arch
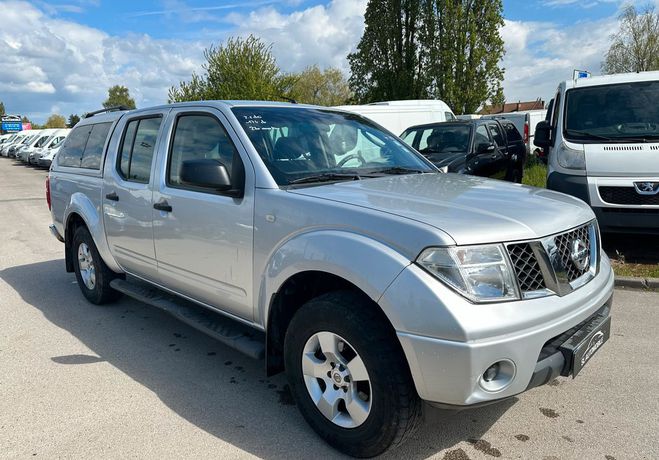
pixel 309 265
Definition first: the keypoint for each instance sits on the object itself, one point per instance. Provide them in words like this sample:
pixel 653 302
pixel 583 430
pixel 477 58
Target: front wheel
pixel 91 272
pixel 349 376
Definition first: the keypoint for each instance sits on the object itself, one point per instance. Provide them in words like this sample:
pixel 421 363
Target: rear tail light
pixel 48 192
pixel 526 133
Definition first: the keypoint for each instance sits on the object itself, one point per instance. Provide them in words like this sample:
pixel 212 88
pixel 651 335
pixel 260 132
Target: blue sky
pixel 61 56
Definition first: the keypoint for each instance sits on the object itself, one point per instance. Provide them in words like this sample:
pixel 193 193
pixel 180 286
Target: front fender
pixel 81 204
pixel 364 262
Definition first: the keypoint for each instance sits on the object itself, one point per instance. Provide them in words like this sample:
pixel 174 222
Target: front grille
pixel 526 267
pixel 564 246
pixel 626 195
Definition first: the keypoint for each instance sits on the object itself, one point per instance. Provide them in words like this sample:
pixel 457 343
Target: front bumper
pixel 448 367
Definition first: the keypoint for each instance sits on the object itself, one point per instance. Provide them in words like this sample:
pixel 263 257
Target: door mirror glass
pixel 542 137
pixel 207 173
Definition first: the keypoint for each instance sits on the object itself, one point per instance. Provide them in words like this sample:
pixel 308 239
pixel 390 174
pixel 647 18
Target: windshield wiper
pixel 397 170
pixel 586 133
pixel 325 177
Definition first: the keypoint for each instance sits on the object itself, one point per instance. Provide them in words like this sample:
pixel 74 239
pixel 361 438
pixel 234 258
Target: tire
pixel 517 175
pixel 387 408
pixel 91 272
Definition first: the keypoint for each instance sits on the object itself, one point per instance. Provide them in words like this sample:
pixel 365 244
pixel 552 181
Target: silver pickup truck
pixel 318 241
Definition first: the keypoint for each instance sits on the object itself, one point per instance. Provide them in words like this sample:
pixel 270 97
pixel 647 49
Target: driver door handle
pixel 162 205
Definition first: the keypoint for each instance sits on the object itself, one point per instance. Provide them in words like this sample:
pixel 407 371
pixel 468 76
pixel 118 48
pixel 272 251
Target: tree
pixel 73 120
pixel 2 109
pixel 119 95
pixel 328 87
pixel 238 69
pixel 389 61
pixel 445 49
pixel 55 121
pixel 635 47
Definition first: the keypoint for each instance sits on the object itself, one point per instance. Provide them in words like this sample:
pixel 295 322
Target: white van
pixel 526 122
pixel 397 116
pixel 602 135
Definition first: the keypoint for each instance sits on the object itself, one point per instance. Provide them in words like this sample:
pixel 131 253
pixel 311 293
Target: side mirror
pixel 542 137
pixel 206 173
pixel 485 148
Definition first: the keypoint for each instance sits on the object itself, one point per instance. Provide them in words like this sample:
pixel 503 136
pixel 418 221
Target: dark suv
pixel 488 148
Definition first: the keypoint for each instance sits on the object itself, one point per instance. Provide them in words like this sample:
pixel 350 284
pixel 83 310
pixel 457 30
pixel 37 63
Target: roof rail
pixel 109 109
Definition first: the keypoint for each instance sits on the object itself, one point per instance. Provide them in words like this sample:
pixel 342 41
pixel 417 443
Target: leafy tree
pixel 2 109
pixel 389 61
pixel 55 121
pixel 238 69
pixel 320 87
pixel 73 120
pixel 25 119
pixel 445 49
pixel 635 47
pixel 119 95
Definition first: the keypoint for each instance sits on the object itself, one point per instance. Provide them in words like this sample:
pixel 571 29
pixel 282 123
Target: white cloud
pixel 541 54
pixel 48 62
pixel 322 35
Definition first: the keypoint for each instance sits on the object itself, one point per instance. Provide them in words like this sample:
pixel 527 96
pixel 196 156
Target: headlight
pixel 480 273
pixel 570 158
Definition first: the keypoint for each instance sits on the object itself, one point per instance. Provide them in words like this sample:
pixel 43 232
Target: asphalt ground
pixel 127 381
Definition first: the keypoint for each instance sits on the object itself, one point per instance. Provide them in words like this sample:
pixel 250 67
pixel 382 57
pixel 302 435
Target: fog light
pixel 491 372
pixel 498 376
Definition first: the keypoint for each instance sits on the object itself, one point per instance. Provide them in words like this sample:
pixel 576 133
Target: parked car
pixel 17 139
pixel 41 137
pixel 525 122
pixel 30 136
pixel 47 158
pixel 52 141
pixel 603 143
pixel 372 279
pixel 479 147
pixel 398 115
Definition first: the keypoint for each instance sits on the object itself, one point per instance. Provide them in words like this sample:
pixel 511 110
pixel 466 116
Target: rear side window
pixel 199 137
pixel 84 146
pixel 91 158
pixel 137 149
pixel 71 152
pixel 512 132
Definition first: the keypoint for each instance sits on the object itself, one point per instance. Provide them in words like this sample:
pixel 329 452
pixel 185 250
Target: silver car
pixel 320 242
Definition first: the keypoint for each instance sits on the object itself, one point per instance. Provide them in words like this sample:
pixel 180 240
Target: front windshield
pixel 441 138
pixel 297 144
pixel 622 112
pixel 42 141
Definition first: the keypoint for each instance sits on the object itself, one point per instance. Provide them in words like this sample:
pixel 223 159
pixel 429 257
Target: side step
pixel 228 331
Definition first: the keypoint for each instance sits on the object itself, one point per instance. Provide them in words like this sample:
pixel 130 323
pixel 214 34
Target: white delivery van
pixel 397 116
pixel 602 136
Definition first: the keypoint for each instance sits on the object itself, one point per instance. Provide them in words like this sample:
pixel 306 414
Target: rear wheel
pixel 349 376
pixel 91 272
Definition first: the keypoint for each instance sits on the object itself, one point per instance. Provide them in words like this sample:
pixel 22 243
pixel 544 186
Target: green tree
pixel 55 121
pixel 238 69
pixel 445 49
pixel 73 120
pixel 327 87
pixel 635 47
pixel 118 95
pixel 2 109
pixel 389 61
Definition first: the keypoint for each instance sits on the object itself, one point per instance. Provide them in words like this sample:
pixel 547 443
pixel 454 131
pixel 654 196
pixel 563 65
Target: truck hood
pixel 472 210
pixel 622 159
pixel 451 159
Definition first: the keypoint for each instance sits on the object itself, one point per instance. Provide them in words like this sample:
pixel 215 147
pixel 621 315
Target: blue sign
pixel 12 126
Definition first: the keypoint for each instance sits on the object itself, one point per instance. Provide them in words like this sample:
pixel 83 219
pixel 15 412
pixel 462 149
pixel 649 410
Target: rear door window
pixel 137 149
pixel 497 135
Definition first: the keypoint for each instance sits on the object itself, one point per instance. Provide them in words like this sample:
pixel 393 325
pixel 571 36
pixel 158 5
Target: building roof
pixel 510 107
